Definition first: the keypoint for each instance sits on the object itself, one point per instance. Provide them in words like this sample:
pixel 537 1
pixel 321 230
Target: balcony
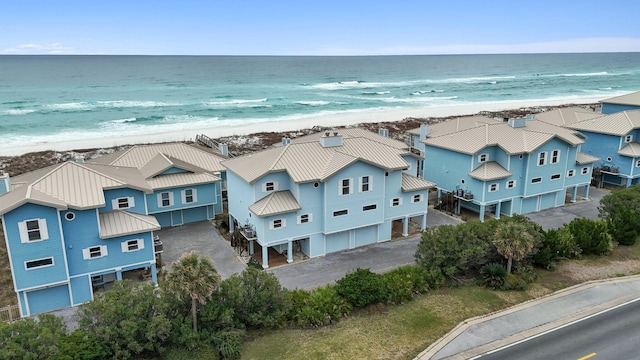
pixel 605 169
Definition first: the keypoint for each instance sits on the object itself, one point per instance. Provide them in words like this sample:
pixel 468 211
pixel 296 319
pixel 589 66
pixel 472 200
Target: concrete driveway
pixel 556 217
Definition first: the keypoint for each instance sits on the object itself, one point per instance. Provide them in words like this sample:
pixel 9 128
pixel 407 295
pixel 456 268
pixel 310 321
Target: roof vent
pixel 518 123
pixel 331 140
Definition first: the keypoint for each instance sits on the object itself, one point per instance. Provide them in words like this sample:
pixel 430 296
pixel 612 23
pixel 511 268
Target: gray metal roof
pixel 630 150
pixel 490 170
pixel 628 99
pixel 413 183
pixel 181 179
pixel 278 202
pixel 566 116
pixel 456 124
pixel 353 133
pixel 119 223
pixel 619 124
pixel 582 158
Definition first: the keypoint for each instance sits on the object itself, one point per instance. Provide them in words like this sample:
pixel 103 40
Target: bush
pixel 31 339
pixel 556 245
pixel 320 307
pixel 406 281
pixel 228 343
pixel 526 272
pixel 513 282
pixel 493 275
pixel 362 287
pixel 621 209
pixel 591 236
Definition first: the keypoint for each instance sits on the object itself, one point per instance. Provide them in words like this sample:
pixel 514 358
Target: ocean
pixel 49 99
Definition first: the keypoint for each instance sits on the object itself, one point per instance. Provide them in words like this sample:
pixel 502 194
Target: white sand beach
pixel 293 125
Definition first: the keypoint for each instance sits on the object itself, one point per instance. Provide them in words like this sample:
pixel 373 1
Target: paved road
pixel 612 334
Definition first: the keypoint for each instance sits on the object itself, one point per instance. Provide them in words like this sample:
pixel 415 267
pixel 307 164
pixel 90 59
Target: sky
pixel 317 27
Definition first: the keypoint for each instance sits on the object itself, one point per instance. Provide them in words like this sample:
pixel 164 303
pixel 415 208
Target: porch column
pixel 586 192
pixel 265 257
pixel 574 194
pixel 458 206
pixel 481 214
pixel 232 226
pixel 154 275
pixel 119 275
pixel 289 251
pixel 498 209
pixel 251 250
pixel 629 182
pixel 424 221
pixel 405 226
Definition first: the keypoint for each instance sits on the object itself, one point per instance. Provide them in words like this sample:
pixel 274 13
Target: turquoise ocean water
pixel 62 98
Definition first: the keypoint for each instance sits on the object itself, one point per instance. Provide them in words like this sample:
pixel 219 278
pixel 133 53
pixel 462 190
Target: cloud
pixel 52 48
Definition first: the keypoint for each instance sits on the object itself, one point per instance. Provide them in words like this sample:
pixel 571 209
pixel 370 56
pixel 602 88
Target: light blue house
pixel 71 228
pixel 621 103
pixel 513 167
pixel 614 139
pixel 325 192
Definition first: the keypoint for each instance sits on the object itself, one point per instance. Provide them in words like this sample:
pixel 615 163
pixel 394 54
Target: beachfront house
pixel 72 228
pixel 514 167
pixel 613 139
pixel 326 192
pixel 621 103
pixel 187 181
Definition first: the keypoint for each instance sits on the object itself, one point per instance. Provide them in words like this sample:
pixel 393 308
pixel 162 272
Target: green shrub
pixel 513 282
pixel 526 272
pixel 362 287
pixel 228 343
pixel 557 244
pixel 31 339
pixel 493 275
pixel 591 236
pixel 406 281
pixel 621 209
pixel 80 346
pixel 320 307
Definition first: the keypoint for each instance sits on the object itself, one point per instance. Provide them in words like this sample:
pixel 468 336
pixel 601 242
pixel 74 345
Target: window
pixel 637 163
pixel 536 180
pixel 132 245
pixel 270 186
pixel 555 156
pixel 542 158
pixel 365 183
pixel 369 207
pixel 340 212
pixel 555 176
pixel 94 252
pixel 38 263
pixel 570 173
pixel 345 187
pixel 584 171
pixel 628 138
pixel 69 216
pixel 189 196
pixel 416 198
pixel 277 224
pixel 609 159
pixel 33 230
pixel 511 184
pixel 165 199
pixel 122 203
pixel 493 187
pixel 304 218
pixel 396 202
pixel 483 157
pixel 316 184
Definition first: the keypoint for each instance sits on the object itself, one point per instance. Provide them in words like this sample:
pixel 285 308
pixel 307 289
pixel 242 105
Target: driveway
pixel 556 217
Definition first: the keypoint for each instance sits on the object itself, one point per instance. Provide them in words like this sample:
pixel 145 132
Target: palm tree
pixel 513 241
pixel 193 276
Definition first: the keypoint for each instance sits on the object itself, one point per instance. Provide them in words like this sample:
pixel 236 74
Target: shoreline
pixel 294 125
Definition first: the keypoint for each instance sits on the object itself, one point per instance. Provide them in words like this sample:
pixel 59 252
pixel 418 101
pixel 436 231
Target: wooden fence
pixel 9 313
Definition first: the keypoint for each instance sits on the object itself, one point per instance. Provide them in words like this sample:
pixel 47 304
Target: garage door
pixel 48 299
pixel 366 235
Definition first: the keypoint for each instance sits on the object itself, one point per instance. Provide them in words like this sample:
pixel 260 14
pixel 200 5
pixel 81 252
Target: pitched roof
pixel 628 99
pixel 309 161
pixel 582 158
pixel 566 116
pixel 632 149
pixel 619 124
pixel 457 124
pixel 120 223
pixel 353 133
pixel 141 155
pixel 490 170
pixel 181 179
pixel 71 185
pixel 278 202
pixel 513 140
pixel 413 183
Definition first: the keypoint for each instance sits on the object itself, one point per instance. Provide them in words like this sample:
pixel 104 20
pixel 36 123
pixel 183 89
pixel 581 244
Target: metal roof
pixel 582 158
pixel 631 150
pixel 119 223
pixel 628 99
pixel 353 133
pixel 309 161
pixel 278 202
pixel 566 116
pixel 181 179
pixel 456 124
pixel 619 124
pixel 490 170
pixel 413 183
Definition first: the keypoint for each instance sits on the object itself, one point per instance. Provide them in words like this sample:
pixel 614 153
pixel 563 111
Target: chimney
pixel 518 123
pixel 383 132
pixel 424 131
pixel 223 149
pixel 331 139
pixel 286 141
pixel 4 182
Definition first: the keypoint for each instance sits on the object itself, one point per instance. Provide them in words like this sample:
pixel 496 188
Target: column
pixel 481 213
pixel 405 226
pixel 251 250
pixel 289 251
pixel 574 194
pixel 586 192
pixel 629 182
pixel 154 275
pixel 498 209
pixel 118 275
pixel 424 221
pixel 265 257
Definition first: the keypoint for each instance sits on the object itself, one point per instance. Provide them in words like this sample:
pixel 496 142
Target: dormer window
pixel 628 138
pixel 270 186
pixel 483 158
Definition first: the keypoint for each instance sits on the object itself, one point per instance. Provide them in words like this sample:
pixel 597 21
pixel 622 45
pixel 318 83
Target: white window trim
pixel 559 176
pixel 367 210
pixel 274 184
pixel 628 138
pixel 486 157
pixel 194 195
pixel 399 202
pixel 584 170
pixel 637 163
pixel 340 187
pixel 309 216
pixel 125 245
pixel 571 173
pixel 24 233
pixel 542 156
pixel 370 183
pixel 345 214
pixel 536 182
pixel 413 198
pixel 511 184
pixel 283 224
pixel 115 203
pixel 160 199
pixel 53 262
pixel 86 253
pixel 493 187
pixel 557 157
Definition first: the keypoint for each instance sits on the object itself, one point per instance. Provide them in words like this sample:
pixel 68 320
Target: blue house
pixel 621 103
pixel 71 228
pixel 613 139
pixel 324 193
pixel 513 167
